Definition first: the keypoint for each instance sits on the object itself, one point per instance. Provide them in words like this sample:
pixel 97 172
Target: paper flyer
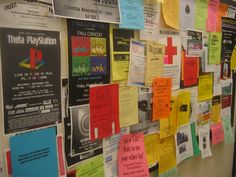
pixel 196 149
pixel 145 125
pixel 204 140
pixel 151 143
pixel 84 149
pixel 193 104
pixel 187 14
pixel 172 58
pixel 183 108
pixel 89 58
pixel 167 154
pixel 80 145
pixel 217 132
pixel 104 111
pixel 102 11
pixel 228 45
pixel 136 74
pixel 132 14
pixel 168 125
pixel 217 81
pixel 132 160
pixel 194 43
pixel 110 150
pixel 31 78
pixel 40 152
pixel 205 87
pixel 161 98
pixel 201 14
pixel 120 52
pixel 204 112
pixel 151 20
pixel 183 141
pixel 190 70
pixel 92 167
pixel 128 105
pixel 214 45
pixel 154 61
pixel 228 131
pixel 216 109
pixel 170 11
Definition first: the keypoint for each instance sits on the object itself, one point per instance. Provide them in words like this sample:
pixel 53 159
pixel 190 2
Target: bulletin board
pixel 115 88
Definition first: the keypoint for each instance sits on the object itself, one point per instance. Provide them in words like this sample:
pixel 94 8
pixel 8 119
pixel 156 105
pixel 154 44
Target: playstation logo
pixel 35 61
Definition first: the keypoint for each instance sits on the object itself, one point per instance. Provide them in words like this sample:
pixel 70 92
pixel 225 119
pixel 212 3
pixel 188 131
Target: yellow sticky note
pixel 205 87
pixel 168 126
pixel 183 108
pixel 170 10
pixel 167 154
pixel 128 104
pixel 151 143
pixel 233 59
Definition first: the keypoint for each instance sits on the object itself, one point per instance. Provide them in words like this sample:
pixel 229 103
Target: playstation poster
pixel 89 58
pixel 31 86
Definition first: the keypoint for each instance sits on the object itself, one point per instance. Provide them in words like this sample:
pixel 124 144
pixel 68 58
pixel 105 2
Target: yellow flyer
pixel 120 51
pixel 205 87
pixel 168 126
pixel 216 109
pixel 154 61
pixel 167 154
pixel 170 10
pixel 183 108
pixel 151 143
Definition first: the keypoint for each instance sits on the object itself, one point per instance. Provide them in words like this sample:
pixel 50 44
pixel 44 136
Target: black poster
pixel 78 146
pixel 228 43
pixel 89 58
pixel 31 83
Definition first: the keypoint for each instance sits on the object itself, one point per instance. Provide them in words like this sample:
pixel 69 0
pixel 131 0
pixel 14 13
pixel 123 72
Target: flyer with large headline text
pixel 30 78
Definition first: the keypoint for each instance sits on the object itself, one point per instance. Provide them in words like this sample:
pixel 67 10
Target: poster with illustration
pixel 30 61
pixel 89 58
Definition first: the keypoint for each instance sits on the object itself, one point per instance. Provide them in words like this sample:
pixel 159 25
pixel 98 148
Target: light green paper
pixel 170 173
pixel 214 48
pixel 228 131
pixel 91 168
pixel 196 149
pixel 201 14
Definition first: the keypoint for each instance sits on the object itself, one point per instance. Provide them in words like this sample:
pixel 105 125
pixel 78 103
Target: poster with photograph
pixel 89 58
pixel 183 141
pixel 102 11
pixel 79 154
pixel 194 43
pixel 80 143
pixel 145 124
pixel 30 78
pixel 227 46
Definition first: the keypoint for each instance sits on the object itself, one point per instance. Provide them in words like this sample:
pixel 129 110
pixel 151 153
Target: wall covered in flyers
pixel 116 88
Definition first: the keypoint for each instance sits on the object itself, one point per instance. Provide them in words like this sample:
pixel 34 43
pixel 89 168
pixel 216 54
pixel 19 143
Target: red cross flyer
pixel 172 58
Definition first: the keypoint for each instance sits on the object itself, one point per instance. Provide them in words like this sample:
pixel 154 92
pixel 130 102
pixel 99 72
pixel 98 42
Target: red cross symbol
pixel 170 51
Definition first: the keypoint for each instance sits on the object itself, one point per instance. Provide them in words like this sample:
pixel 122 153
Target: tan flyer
pixel 128 105
pixel 154 61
